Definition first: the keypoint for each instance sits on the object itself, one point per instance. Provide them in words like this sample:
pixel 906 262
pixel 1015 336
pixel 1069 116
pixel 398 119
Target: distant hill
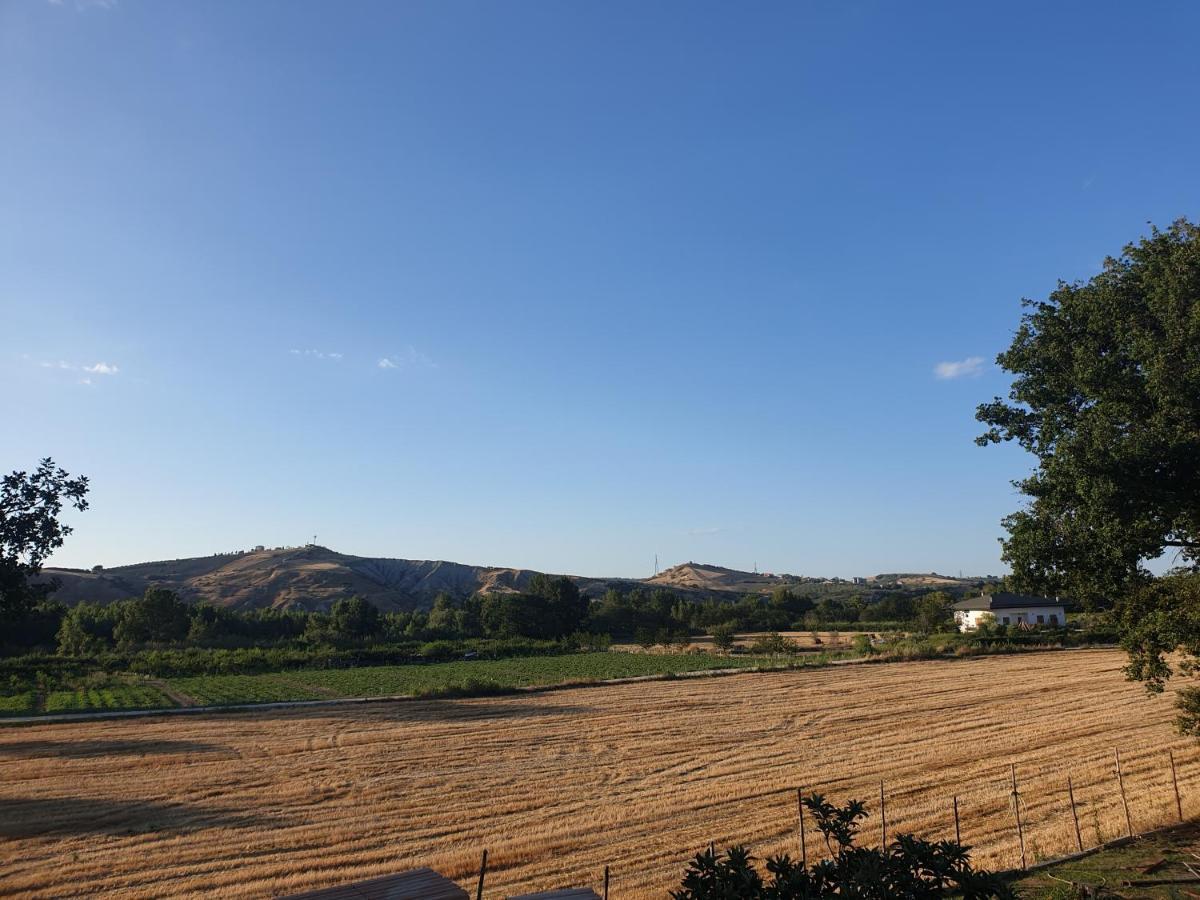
pixel 309 577
pixel 929 579
pixel 702 577
pixel 314 577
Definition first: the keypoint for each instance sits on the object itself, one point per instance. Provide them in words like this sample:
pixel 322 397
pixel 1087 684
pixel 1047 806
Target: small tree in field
pixel 723 636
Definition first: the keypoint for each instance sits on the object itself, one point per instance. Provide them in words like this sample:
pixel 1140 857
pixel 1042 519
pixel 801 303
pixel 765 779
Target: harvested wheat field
pixel 558 784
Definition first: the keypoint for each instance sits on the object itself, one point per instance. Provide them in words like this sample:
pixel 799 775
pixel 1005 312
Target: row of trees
pixel 551 609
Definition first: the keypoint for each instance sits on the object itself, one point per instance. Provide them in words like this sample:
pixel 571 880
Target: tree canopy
pixel 30 530
pixel 1106 396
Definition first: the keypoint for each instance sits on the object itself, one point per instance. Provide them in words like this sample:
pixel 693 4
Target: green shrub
pixel 907 869
pixel 773 644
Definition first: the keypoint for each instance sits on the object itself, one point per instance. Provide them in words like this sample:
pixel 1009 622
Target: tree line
pixel 550 609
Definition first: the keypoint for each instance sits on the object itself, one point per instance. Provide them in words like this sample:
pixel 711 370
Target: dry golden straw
pixel 558 785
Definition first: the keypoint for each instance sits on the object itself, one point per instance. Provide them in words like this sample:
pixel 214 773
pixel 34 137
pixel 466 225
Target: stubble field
pixel 557 785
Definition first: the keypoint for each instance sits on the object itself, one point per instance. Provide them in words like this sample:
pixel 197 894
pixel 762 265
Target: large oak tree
pixel 1106 396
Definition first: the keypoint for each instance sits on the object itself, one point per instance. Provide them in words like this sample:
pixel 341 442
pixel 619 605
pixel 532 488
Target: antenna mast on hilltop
pixel 655 563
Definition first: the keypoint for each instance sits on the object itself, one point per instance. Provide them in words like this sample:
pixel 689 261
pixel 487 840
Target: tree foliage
pixel 907 869
pixel 30 530
pixel 1106 396
pixel 157 617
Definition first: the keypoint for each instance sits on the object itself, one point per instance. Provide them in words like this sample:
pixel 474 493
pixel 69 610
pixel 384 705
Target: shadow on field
pixel 86 748
pixel 22 817
pixel 516 706
pixel 465 709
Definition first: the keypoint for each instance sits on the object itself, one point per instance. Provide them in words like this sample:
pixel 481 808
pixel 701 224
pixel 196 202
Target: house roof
pixel 1005 600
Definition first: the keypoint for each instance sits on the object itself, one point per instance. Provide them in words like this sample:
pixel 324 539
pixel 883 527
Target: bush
pixel 907 869
pixel 723 636
pixel 862 644
pixel 773 643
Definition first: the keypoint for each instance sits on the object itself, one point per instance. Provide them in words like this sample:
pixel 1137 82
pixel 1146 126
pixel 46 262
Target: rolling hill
pixel 314 577
pixel 310 577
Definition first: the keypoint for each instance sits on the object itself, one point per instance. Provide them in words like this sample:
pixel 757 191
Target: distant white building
pixel 1009 609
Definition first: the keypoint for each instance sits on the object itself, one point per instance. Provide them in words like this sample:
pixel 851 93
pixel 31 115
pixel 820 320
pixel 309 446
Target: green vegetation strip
pixel 475 677
pixel 106 697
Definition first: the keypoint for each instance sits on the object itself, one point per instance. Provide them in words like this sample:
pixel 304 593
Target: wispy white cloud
pixel 970 367
pixel 409 358
pixel 317 354
pixel 100 368
pixel 85 5
pixel 697 531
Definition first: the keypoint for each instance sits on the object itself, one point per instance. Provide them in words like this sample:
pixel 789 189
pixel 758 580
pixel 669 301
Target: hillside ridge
pixel 313 577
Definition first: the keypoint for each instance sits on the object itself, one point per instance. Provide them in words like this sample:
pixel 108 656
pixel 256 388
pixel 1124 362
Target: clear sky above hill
pixel 558 285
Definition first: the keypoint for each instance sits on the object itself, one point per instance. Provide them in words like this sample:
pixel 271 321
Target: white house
pixel 1009 609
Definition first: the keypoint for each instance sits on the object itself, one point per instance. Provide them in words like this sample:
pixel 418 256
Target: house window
pixel 1020 620
pixel 1041 620
pixel 1005 620
pixel 1053 618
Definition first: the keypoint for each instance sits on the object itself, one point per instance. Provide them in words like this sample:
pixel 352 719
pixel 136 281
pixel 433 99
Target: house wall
pixel 970 619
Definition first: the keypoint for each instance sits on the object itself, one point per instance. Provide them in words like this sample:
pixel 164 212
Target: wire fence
pixel 1016 816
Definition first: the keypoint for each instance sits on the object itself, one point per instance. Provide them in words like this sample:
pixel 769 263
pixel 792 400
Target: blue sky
pixel 668 278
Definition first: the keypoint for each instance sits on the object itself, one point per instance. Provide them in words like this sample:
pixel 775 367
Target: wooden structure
pixel 418 884
pixel 561 894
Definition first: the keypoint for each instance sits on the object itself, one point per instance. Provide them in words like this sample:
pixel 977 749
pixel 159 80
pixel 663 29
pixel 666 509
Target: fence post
pixel 606 883
pixel 1121 785
pixel 957 834
pixel 882 816
pixel 800 813
pixel 1074 815
pixel 482 870
pixel 1016 798
pixel 1175 785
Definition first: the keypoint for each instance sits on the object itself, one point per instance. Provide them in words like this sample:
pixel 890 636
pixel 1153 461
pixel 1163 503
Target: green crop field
pixel 21 704
pixel 223 690
pixel 110 696
pixel 461 678
pixel 94 693
pixel 453 678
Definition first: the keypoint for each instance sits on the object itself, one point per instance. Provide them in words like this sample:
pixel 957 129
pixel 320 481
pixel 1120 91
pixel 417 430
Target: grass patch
pixel 1159 856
